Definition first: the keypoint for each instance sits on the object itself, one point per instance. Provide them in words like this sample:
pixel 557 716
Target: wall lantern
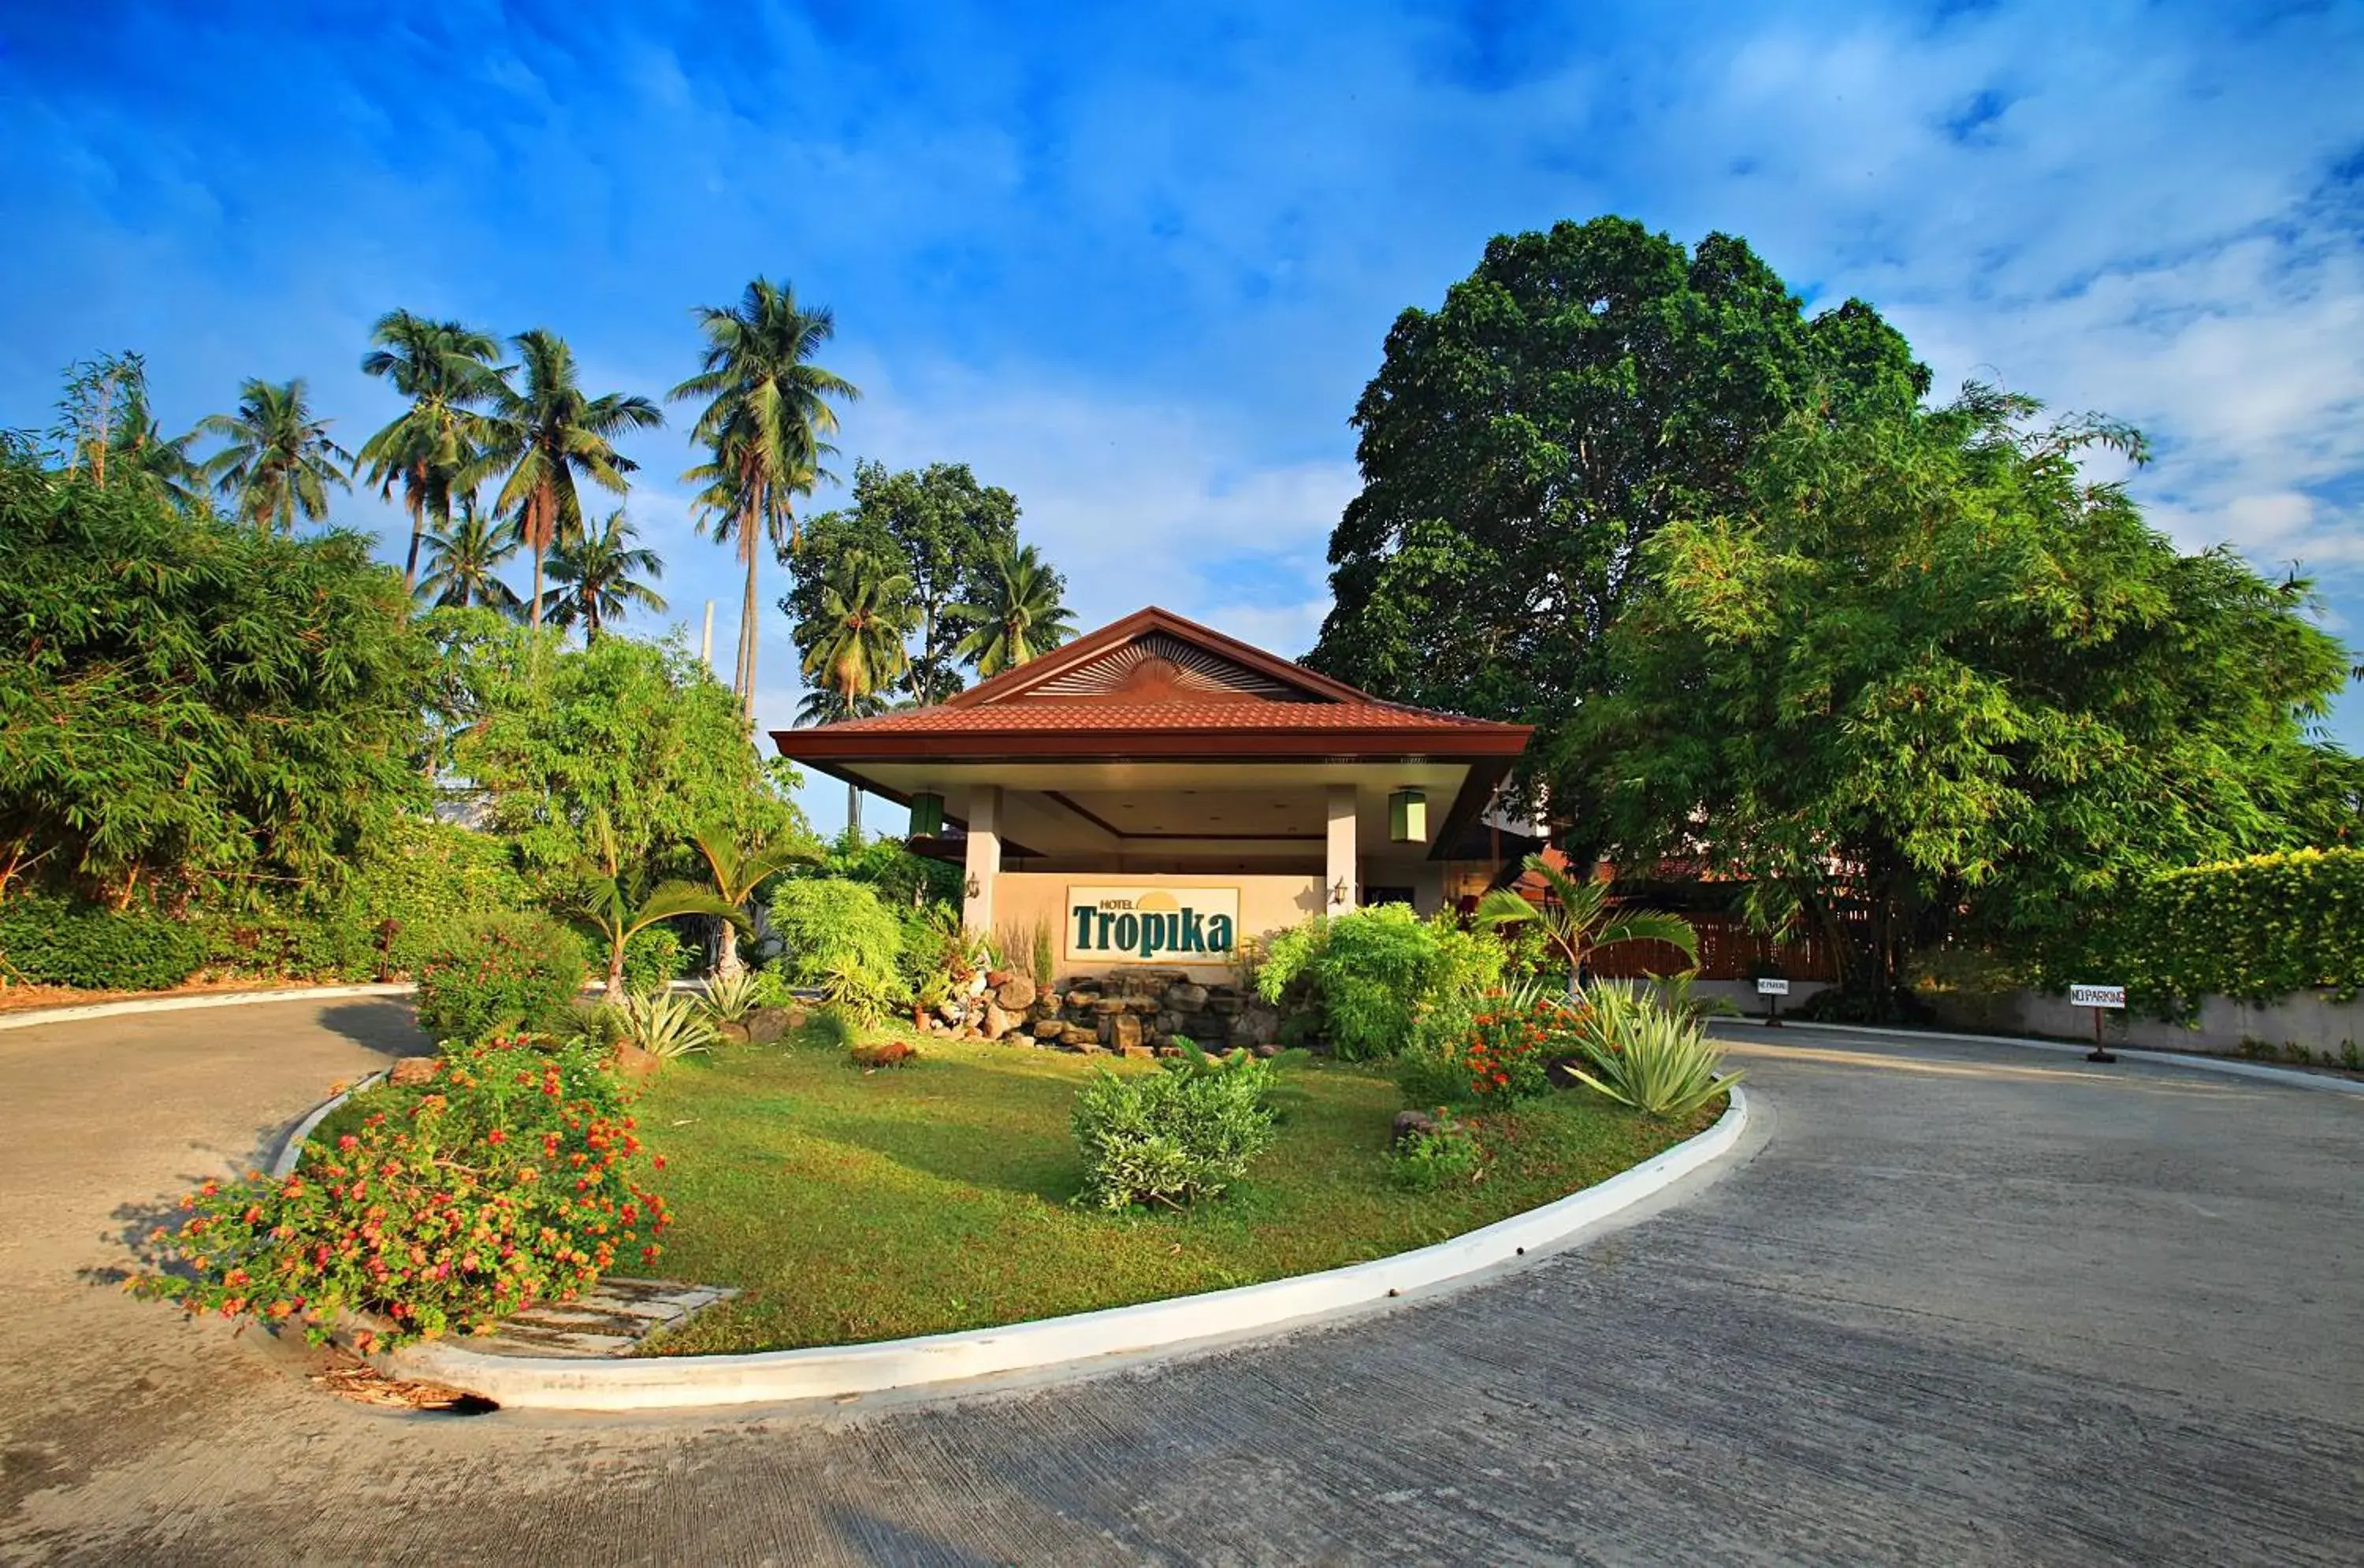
pixel 927 814
pixel 972 889
pixel 1340 894
pixel 1408 816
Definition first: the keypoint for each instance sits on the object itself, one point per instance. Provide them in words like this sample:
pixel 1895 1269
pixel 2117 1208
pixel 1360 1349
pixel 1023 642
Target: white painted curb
pixel 33 1017
pixel 837 1371
pixel 291 1148
pixel 2288 1077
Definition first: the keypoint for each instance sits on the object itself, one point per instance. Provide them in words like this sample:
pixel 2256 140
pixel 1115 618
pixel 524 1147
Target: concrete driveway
pixel 1951 1304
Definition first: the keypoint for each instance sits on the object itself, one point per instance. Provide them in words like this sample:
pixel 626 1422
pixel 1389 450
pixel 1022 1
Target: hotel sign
pixel 1152 925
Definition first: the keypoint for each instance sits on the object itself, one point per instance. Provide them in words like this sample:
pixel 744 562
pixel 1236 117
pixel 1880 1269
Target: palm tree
pixel 279 460
pixel 547 433
pixel 1578 920
pixel 619 909
pixel 736 874
pixel 461 562
pixel 141 453
pixel 853 641
pixel 766 413
pixel 445 368
pixel 1022 612
pixel 596 581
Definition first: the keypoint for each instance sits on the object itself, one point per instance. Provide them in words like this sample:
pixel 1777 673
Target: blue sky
pixel 1136 266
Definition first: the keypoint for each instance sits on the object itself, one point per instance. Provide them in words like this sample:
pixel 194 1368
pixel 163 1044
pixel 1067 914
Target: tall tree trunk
pixel 615 970
pixel 747 615
pixel 853 807
pixel 418 526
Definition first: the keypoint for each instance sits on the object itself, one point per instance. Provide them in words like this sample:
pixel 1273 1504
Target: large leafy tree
pixel 1020 611
pixel 547 433
pixel 463 563
pixel 446 369
pixel 600 577
pixel 621 742
pixel 945 528
pixel 1520 444
pixel 766 419
pixel 194 707
pixel 1919 674
pixel 276 458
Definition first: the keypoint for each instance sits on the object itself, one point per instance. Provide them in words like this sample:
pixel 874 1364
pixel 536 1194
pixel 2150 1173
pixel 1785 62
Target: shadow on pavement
pixel 388 1026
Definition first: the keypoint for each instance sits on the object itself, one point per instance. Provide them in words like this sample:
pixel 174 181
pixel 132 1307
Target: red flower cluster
pixel 437 1212
pixel 1508 1046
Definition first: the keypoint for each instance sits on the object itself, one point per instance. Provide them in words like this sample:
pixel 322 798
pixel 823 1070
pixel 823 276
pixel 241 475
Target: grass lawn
pixel 850 1205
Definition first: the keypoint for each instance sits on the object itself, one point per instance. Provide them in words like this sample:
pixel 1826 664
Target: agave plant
pixel 730 996
pixel 666 1025
pixel 1642 1055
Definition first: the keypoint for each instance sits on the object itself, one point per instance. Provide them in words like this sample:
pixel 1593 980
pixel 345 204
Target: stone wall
pixel 1135 1012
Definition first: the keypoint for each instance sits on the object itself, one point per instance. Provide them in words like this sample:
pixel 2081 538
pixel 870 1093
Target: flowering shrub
pixel 509 1179
pixel 502 972
pixel 1497 1050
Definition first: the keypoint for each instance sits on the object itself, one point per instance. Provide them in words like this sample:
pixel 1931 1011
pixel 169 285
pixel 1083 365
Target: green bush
pixel 654 956
pixel 48 942
pixel 438 1210
pixel 1371 973
pixel 1170 1138
pixel 2255 929
pixel 498 973
pixel 1445 1155
pixel 830 922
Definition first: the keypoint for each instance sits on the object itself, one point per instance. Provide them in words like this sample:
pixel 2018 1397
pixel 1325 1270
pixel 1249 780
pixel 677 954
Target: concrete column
pixel 1340 868
pixel 983 855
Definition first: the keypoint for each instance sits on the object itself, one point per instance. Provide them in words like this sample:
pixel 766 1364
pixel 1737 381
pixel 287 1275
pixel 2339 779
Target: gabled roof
pixel 1156 684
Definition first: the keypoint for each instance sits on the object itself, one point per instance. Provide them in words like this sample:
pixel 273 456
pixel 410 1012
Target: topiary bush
pixel 499 972
pixel 831 924
pixel 512 1177
pixel 1170 1138
pixel 48 941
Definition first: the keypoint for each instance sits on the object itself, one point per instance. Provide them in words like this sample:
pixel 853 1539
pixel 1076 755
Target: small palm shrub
pixel 1169 1139
pixel 665 1025
pixel 499 972
pixel 855 990
pixel 1642 1055
pixel 438 1209
pixel 732 996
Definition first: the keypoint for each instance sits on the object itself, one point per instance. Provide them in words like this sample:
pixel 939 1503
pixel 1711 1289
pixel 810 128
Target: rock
pixel 634 1063
pixel 883 1053
pixel 1016 993
pixel 949 1010
pixel 1125 1032
pixel 764 1024
pixel 735 1034
pixel 1225 1001
pixel 1082 1043
pixel 1267 1048
pixel 1256 1022
pixel 1411 1124
pixel 997 1022
pixel 414 1070
pixel 1142 1051
pixel 1185 998
pixel 1108 1006
pixel 1081 1000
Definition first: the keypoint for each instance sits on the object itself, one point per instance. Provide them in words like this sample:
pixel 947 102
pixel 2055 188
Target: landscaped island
pixel 849 1205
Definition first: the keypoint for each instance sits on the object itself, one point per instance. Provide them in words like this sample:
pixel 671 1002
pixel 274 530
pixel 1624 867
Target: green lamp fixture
pixel 927 814
pixel 1408 816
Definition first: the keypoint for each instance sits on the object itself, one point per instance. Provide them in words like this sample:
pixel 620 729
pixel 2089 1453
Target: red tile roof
pixel 1211 717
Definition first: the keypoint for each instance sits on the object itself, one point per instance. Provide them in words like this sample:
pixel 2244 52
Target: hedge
pixel 48 941
pixel 2253 929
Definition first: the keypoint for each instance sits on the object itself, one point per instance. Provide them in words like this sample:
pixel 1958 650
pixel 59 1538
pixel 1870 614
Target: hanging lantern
pixel 1408 816
pixel 926 815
